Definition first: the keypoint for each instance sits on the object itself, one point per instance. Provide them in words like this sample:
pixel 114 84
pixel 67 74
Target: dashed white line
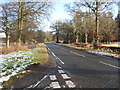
pixel 64 49
pixel 53 77
pixel 70 84
pixel 55 85
pixel 109 65
pixel 65 76
pixel 59 67
pixel 61 71
pixel 77 54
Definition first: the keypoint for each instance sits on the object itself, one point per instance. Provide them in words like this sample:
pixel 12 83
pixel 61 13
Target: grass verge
pixel 18 63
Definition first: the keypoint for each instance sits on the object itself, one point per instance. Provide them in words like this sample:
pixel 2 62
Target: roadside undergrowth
pixel 89 47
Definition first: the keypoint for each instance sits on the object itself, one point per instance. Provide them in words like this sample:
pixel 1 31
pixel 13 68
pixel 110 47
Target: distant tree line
pixel 92 22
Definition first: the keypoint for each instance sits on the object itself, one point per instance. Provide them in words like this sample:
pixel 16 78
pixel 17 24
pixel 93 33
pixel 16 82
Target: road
pixel 79 69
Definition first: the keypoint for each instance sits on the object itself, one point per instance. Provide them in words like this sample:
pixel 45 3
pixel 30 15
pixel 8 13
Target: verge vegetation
pixel 13 65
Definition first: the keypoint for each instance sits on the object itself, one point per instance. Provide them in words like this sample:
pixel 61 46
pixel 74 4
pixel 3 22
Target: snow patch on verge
pixel 104 53
pixel 11 64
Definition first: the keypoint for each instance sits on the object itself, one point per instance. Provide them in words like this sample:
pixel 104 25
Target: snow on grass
pixel 11 64
pixel 103 53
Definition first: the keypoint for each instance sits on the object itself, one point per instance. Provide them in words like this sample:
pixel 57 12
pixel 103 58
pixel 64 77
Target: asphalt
pixel 79 69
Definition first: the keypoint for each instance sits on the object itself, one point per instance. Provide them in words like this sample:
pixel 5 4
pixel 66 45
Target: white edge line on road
pixel 70 84
pixel 109 65
pixel 55 56
pixel 60 60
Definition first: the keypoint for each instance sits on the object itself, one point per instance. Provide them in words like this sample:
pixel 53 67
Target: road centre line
pixel 109 65
pixel 77 54
pixel 73 52
pixel 64 49
pixel 70 84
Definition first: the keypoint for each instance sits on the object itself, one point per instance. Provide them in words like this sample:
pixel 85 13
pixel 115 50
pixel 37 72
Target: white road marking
pixel 48 49
pixel 55 85
pixel 65 76
pixel 77 54
pixel 109 65
pixel 57 57
pixel 59 67
pixel 70 84
pixel 63 86
pixel 53 54
pixel 61 71
pixel 33 86
pixel 60 60
pixel 53 77
pixel 64 49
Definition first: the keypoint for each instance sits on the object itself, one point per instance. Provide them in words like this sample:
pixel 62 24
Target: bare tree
pixel 97 7
pixel 6 18
pixel 31 10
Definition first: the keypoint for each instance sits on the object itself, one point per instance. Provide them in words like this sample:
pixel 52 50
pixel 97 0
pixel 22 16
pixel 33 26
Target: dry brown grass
pixel 40 45
pixel 14 48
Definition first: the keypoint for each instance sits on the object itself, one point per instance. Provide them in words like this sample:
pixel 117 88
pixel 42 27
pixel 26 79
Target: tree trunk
pixel 57 37
pixel 20 22
pixel 7 40
pixel 86 38
pixel 24 40
pixel 97 27
pixel 19 38
pixel 77 38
